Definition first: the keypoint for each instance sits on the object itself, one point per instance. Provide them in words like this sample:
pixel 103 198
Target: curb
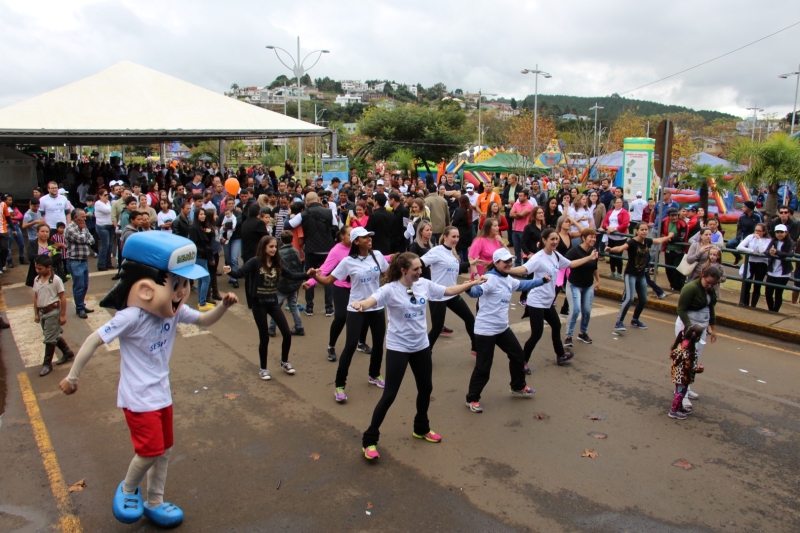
pixel 722 320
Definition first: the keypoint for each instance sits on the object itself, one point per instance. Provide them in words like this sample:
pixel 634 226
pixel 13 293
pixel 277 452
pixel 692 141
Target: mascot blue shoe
pixel 165 515
pixel 128 508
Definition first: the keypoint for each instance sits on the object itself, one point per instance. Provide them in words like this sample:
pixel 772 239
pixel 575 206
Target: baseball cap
pixel 750 205
pixel 639 194
pixel 62 192
pixel 779 227
pixel 164 251
pixel 470 187
pixel 501 254
pixel 360 232
pixel 380 182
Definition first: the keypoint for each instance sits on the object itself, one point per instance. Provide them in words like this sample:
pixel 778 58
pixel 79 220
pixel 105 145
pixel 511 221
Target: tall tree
pixel 520 133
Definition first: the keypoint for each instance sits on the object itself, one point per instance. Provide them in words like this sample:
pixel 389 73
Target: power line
pixel 710 60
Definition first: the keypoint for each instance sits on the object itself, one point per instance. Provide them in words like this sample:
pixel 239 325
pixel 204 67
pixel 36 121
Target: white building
pixel 345 99
pixel 350 127
pixel 354 86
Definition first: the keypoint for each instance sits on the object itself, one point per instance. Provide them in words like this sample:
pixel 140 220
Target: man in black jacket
pixel 509 196
pixel 253 230
pixel 181 224
pixel 380 222
pixel 317 224
pixel 400 212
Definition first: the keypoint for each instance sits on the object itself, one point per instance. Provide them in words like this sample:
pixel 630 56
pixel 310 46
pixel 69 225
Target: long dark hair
pixel 261 254
pixel 201 224
pixel 354 250
pixel 399 262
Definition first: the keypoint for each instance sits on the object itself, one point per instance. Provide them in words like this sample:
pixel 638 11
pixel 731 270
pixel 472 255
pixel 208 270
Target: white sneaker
pixel 686 403
pixel 264 374
pixel 692 395
pixel 287 367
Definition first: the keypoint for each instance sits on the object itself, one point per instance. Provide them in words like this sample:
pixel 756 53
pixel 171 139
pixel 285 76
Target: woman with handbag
pixel 697 256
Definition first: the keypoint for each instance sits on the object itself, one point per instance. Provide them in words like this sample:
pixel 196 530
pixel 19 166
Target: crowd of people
pixel 391 247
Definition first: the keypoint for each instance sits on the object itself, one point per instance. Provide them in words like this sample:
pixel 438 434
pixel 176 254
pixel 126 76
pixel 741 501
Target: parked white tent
pixel 129 103
pixel 17 173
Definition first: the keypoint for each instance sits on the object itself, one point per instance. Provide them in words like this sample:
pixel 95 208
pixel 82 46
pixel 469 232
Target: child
pixel 58 242
pixel 287 288
pixel 50 311
pixel 228 224
pixel 684 367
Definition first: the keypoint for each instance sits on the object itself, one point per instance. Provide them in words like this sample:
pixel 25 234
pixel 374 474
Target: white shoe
pixel 692 395
pixel 686 403
pixel 264 374
pixel 287 367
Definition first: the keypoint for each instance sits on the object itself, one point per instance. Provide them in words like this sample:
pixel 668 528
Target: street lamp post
pixel 794 116
pixel 299 71
pixel 536 72
pixel 594 142
pixel 755 111
pixel 480 105
pixel 317 116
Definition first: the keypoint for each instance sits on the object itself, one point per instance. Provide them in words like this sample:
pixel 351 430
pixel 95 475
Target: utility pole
pixel 595 107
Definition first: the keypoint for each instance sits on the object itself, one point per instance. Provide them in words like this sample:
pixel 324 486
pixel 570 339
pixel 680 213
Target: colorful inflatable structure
pixel 475 154
pixel 727 205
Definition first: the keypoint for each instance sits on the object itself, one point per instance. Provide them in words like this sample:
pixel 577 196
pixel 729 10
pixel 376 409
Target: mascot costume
pixel 150 298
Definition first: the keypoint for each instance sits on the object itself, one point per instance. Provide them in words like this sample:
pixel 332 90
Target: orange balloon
pixel 232 186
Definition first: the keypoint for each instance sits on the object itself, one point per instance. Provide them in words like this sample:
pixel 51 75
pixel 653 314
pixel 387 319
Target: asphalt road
pixel 284 456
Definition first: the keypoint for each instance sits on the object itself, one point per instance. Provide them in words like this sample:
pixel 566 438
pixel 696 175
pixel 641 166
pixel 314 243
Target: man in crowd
pixel 55 208
pixel 79 249
pixel 538 196
pixel 637 208
pixel 380 222
pixel 476 214
pixel 510 193
pixel 606 194
pixel 785 217
pixel 674 248
pixel 745 226
pixel 399 211
pixel 452 192
pixel 520 212
pixel 440 211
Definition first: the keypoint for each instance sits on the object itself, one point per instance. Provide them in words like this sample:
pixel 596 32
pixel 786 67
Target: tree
pixel 772 163
pixel 788 119
pixel 234 87
pixel 520 133
pixel 701 176
pixel 513 103
pixel 280 81
pixel 628 124
pixel 458 92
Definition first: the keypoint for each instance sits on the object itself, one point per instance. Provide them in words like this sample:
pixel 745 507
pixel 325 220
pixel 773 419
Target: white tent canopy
pixel 129 103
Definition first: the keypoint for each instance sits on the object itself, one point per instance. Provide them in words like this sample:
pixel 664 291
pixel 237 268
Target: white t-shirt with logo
pixel 444 267
pixel 539 265
pixel 365 276
pixel 145 345
pixel 408 329
pixel 163 218
pixel 55 209
pixel 492 316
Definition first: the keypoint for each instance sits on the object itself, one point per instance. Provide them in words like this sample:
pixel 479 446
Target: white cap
pixel 470 187
pixel 62 192
pixel 501 254
pixel 781 227
pixel 380 182
pixel 639 194
pixel 360 232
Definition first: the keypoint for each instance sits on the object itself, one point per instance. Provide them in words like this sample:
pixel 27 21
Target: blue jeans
pixel 582 299
pixel 634 285
pixel 516 240
pixel 291 300
pixel 80 281
pixel 18 238
pixel 232 250
pixel 106 234
pixel 202 283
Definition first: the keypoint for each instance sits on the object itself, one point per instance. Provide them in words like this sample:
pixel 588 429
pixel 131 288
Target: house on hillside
pixel 344 99
pixel 711 146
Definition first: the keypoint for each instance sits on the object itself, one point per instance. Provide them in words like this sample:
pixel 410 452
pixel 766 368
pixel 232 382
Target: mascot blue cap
pixel 165 252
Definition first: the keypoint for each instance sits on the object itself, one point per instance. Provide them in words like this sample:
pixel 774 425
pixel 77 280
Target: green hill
pixel 556 105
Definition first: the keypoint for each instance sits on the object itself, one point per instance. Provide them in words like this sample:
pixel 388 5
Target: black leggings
pixel 758 271
pixel 356 323
pixel 438 312
pixel 615 262
pixel 537 317
pixel 485 344
pixel 341 297
pixel 775 304
pixel 260 313
pixel 396 363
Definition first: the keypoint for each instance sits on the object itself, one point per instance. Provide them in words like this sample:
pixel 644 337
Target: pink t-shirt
pixel 520 223
pixel 484 249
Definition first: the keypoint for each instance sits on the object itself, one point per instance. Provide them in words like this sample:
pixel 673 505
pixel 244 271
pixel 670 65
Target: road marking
pixel 98 319
pixel 722 335
pixel 69 522
pixel 91 275
pixel 27 335
pixel 523 327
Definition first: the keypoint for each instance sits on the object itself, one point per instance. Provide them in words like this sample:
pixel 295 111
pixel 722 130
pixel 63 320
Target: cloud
pixel 591 48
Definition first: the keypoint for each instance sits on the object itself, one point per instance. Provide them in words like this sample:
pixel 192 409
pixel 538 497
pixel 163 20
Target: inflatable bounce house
pixel 475 154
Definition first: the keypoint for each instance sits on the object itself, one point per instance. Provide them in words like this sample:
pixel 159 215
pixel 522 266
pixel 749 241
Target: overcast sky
pixel 591 48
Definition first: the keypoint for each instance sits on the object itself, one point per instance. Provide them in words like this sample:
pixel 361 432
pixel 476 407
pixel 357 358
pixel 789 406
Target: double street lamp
pixel 536 72
pixel 480 105
pixel 299 70
pixel 794 117
pixel 595 107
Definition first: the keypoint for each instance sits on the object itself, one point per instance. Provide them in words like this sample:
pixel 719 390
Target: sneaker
pixel 527 392
pixel 677 415
pixel 331 353
pixel 685 410
pixel 309 311
pixel 298 332
pixel 271 332
pixel 339 394
pixel 207 307
pixel 377 382
pixel 287 367
pixel 620 326
pixel 564 358
pixel 264 374
pixel 301 307
pixel 329 312
pixel 686 403
pixel 564 313
pixel 527 369
pixel 637 324
pixel 692 395
pixel 568 341
pixel 430 436
pixel 371 452
pixel 362 347
pixel 446 331
pixel 661 296
pixel 583 337
pixel 475 407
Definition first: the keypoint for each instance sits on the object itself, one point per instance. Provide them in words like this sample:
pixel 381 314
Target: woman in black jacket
pixel 780 270
pixel 200 233
pixel 263 273
pixel 462 219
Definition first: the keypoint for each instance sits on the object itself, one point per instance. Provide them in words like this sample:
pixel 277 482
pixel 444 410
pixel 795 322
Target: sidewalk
pixel 784 325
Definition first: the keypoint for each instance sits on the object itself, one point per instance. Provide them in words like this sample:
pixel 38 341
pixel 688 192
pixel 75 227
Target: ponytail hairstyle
pixel 692 333
pixel 546 234
pixel 399 263
pixel 354 250
pixel 445 233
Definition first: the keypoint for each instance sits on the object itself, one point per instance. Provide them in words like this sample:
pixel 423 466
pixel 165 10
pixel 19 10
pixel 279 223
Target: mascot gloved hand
pixel 150 299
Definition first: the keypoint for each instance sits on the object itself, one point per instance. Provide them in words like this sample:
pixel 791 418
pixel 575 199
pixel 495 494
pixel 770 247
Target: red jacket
pixel 623 218
pixel 502 226
pixel 681 236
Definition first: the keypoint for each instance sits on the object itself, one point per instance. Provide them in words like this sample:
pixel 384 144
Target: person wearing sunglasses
pixel 405 295
pixel 492 329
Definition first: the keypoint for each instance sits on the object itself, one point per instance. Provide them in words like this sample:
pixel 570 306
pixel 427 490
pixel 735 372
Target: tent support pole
pixel 222 157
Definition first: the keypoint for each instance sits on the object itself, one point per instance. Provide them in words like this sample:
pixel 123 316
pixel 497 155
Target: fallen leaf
pixel 78 487
pixel 595 416
pixel 766 432
pixel 369 505
pixel 231 396
pixel 683 463
pixel 541 416
pixel 315 456
pixel 597 435
pixel 589 453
